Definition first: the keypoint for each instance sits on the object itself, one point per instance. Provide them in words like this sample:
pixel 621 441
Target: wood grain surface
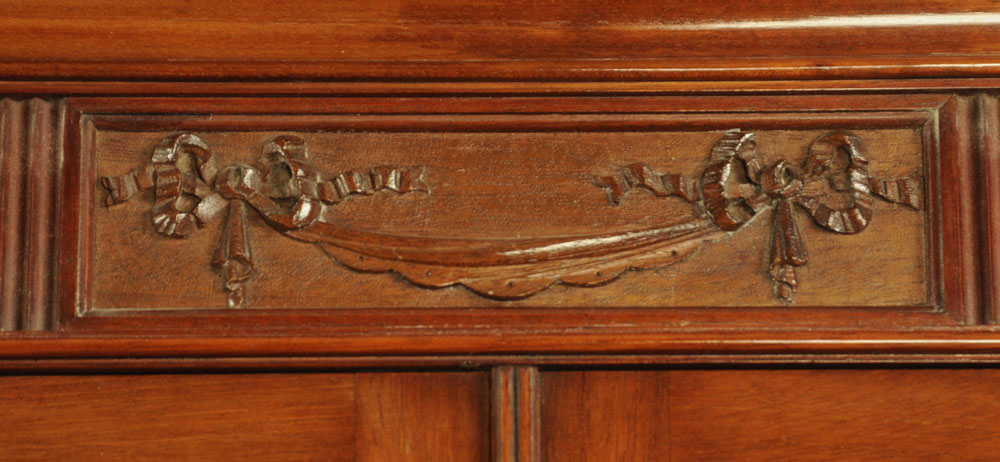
pixel 342 417
pixel 462 153
pixel 423 416
pixel 582 39
pixel 778 415
pixel 627 412
pixel 382 129
pixel 516 409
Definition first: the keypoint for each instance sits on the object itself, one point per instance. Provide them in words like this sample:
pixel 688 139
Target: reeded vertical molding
pixel 988 134
pixel 29 134
pixel 43 136
pixel 516 414
pixel 958 137
pixel 12 189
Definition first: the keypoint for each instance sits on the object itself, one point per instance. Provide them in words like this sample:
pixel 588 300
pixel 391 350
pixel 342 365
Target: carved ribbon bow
pixel 284 186
pixel 833 185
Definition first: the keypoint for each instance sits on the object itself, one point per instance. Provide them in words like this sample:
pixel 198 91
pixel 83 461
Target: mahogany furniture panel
pixel 154 417
pixel 422 416
pixel 508 231
pixel 627 411
pixel 771 415
pixel 342 417
pixel 562 180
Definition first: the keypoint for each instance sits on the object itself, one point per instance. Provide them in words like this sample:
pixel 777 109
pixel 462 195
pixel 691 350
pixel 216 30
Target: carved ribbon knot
pixel 833 186
pixel 283 186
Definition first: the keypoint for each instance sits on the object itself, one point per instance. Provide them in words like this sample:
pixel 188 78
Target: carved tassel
pixel 233 257
pixel 787 251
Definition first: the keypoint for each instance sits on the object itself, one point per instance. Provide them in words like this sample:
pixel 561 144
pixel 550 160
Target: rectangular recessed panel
pixel 529 218
pixel 373 212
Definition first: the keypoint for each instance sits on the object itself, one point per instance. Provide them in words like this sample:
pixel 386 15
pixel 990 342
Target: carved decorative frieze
pixel 285 188
pixel 288 191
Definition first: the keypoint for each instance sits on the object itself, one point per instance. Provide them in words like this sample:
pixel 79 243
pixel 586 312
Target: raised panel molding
pixel 535 171
pixel 552 172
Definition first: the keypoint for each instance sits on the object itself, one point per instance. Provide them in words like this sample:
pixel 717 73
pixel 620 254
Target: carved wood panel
pixel 446 188
pixel 820 212
pixel 505 216
pixel 548 165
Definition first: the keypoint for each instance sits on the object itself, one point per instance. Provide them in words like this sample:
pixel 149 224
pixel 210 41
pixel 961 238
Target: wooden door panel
pixel 422 416
pixel 266 417
pixel 771 415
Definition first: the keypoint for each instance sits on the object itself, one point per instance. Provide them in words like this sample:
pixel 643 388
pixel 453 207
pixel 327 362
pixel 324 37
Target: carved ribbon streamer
pixel 641 176
pixel 288 191
pixel 833 186
pixel 787 250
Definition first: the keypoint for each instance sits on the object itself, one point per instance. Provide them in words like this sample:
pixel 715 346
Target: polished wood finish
pixel 287 417
pixel 480 259
pixel 458 207
pixel 341 417
pixel 520 231
pixel 773 415
pixel 31 138
pixel 627 411
pixel 516 419
pixel 422 416
pixel 13 197
pixel 441 39
pixel 988 141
